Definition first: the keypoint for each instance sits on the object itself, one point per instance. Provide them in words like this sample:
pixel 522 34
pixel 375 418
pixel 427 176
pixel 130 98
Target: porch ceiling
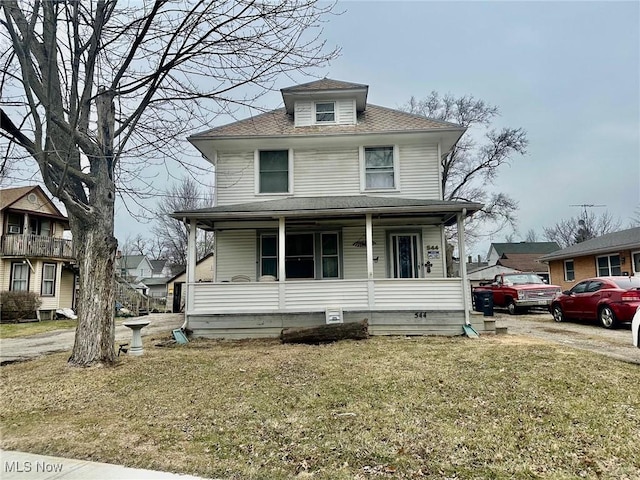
pixel 334 207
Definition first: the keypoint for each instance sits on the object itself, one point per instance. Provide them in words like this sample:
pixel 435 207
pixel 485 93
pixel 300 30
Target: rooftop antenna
pixel 584 207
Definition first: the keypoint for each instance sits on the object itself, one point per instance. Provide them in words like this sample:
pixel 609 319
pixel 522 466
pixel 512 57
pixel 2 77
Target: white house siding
pixel 419 171
pixel 346 112
pixel 237 254
pixel 431 236
pixel 235 178
pixel 67 285
pixel 326 172
pixel 355 258
pixel 303 114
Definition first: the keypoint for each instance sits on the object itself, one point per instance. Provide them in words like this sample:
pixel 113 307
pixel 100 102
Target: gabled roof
pixel 374 119
pixel 539 248
pixel 130 261
pixel 525 262
pixel 609 243
pixel 184 270
pixel 158 265
pixel 9 196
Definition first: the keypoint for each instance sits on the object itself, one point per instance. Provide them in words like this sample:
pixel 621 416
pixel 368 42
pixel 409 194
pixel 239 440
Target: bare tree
pixel 105 88
pixel 531 236
pixel 472 165
pixel 578 229
pixel 173 234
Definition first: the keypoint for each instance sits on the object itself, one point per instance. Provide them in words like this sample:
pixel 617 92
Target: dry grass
pixel 498 407
pixel 13 330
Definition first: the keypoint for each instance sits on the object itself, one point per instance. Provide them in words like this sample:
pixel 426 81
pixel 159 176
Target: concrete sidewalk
pixel 27 466
pixel 33 346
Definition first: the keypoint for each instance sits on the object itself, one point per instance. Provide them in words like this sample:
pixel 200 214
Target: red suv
pixel 610 300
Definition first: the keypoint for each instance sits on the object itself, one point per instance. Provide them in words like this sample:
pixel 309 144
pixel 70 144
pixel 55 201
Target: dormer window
pixel 326 112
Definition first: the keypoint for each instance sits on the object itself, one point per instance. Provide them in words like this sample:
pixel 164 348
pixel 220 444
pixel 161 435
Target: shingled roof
pixel 11 195
pixel 324 84
pixel 374 119
pixel 539 248
pixel 611 242
pixel 525 262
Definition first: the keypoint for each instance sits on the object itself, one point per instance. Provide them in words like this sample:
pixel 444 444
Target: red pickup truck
pixel 518 292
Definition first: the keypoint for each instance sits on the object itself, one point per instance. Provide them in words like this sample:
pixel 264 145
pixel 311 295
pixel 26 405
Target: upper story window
pixel 325 112
pixel 14 223
pixel 40 226
pixel 274 171
pixel 380 169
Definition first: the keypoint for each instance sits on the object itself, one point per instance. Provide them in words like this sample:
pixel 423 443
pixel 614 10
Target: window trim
pixel 363 169
pixel 256 162
pixel 608 257
pixel 13 279
pixel 566 270
pixel 325 122
pixel 53 281
pixel 390 234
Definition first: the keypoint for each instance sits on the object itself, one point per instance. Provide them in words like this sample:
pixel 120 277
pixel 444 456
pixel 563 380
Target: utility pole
pixel 584 231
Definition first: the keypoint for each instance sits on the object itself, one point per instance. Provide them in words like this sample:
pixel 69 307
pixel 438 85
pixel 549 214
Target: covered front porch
pixel 285 263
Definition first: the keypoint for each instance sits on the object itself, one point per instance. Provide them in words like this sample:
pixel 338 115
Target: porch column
pixel 369 244
pixel 463 265
pixel 191 263
pixel 282 301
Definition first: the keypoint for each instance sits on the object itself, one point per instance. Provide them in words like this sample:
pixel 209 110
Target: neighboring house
pixel 615 253
pixel 160 269
pixel 521 256
pixel 328 205
pixel 34 256
pixel 175 285
pixel 133 267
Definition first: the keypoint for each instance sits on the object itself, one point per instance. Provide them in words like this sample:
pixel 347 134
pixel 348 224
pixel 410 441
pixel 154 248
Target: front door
pixel 406 255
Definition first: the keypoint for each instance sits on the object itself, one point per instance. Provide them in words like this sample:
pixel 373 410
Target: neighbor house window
pixel 19 276
pixel 48 279
pixel 273 171
pixel 569 271
pixel 379 168
pixel 39 226
pixel 609 265
pixel 326 112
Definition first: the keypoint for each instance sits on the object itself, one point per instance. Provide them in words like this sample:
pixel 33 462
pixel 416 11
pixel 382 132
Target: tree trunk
pixel 326 333
pixel 95 335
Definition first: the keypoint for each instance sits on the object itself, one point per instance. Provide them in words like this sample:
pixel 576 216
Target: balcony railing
pixel 36 246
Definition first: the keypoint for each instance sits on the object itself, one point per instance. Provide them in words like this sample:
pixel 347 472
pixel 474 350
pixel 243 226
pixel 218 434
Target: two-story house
pixel 34 255
pixel 328 207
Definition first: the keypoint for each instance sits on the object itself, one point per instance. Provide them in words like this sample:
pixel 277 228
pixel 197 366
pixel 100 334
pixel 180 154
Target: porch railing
pixel 36 246
pixel 300 296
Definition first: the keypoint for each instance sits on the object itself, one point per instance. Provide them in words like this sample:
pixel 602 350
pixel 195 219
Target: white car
pixel 635 328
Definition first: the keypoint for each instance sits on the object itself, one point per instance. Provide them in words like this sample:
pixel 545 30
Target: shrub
pixel 15 305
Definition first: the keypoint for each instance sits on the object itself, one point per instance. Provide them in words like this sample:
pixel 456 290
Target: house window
pixel 379 168
pixel 273 171
pixel 19 276
pixel 329 253
pixel 14 223
pixel 609 265
pixel 269 255
pixel 307 255
pixel 569 271
pixel 326 112
pixel 48 288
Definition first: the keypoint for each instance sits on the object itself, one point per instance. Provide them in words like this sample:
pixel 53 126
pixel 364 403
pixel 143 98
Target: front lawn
pixel 499 407
pixel 13 330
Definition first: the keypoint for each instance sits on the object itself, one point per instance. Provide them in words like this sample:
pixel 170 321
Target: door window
pixel 580 287
pixel 406 255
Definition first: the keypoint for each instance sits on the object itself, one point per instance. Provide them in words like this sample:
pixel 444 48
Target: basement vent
pixel 333 315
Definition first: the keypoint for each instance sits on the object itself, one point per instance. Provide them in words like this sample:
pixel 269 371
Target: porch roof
pixel 330 207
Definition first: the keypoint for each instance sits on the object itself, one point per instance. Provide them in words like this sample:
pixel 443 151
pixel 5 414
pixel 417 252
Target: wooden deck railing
pixel 36 246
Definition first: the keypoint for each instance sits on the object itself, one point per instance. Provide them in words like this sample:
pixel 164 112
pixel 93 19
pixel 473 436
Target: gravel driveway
pixel 616 343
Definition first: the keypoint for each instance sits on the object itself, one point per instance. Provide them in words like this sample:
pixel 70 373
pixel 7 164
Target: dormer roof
pixel 325 89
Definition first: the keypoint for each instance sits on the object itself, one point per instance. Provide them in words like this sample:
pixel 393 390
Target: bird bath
pixel 136 342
